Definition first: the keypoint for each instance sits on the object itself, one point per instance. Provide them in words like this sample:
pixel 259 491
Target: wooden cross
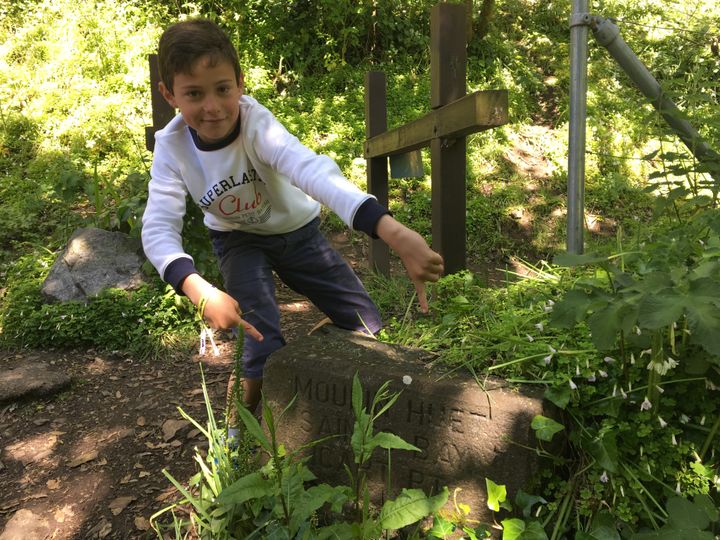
pixel 453 116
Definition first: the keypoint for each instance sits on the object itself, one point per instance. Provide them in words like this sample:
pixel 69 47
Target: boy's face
pixel 207 98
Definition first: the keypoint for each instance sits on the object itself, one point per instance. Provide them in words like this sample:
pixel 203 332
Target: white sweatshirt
pixel 264 181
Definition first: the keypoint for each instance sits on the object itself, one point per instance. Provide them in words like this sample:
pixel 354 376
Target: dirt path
pixel 87 463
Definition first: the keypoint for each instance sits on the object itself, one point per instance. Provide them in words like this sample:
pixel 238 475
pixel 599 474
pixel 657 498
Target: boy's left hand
pixel 421 263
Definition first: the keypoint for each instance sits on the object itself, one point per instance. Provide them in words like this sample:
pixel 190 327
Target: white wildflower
pixel 637 330
pixel 684 418
pixel 577 370
pixel 710 385
pixel 529 338
pixel 540 326
pixel 407 379
pixel 622 491
pixel 677 488
pixel 642 449
pixel 622 393
pixel 552 349
pixel 648 469
pixel 573 386
pixel 702 421
pixel 604 477
pixel 673 440
pixel 608 360
pixel 646 405
pixel 662 422
pixel 592 378
pixel 645 351
pixel 660 389
pixel 614 390
pixel 602 373
pixel 632 359
pixel 547 359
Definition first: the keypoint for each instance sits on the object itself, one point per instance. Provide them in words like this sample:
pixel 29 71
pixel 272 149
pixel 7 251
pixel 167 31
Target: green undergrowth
pixel 151 322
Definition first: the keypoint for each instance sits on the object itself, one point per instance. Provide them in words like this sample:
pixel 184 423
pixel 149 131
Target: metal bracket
pixel 580 19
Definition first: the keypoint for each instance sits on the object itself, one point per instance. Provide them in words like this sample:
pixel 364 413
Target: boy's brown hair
pixel 183 43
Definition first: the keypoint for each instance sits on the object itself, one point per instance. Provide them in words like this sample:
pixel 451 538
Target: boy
pixel 260 191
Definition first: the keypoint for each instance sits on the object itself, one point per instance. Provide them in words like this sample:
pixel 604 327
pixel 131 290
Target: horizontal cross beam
pixel 475 112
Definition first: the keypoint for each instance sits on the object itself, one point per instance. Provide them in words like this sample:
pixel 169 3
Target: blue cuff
pixel 367 216
pixel 177 271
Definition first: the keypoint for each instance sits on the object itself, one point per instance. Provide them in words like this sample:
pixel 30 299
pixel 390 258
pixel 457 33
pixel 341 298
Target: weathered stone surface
pixel 466 433
pixel 31 379
pixel 93 260
pixel 26 525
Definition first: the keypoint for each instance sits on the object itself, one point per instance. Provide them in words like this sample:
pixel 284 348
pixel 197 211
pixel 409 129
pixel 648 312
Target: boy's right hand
pixel 221 311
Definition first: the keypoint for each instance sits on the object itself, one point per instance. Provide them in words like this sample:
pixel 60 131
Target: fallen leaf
pixel 119 504
pixel 171 427
pixel 83 458
pixel 143 474
pixel 53 483
pixel 62 513
pixel 118 394
pixel 125 479
pixel 141 421
pixel 142 524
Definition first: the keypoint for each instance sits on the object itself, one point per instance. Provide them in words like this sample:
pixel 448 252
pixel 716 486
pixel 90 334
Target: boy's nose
pixel 211 105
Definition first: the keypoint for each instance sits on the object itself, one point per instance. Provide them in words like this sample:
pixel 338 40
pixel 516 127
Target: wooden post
pixel 377 167
pixel 162 112
pixel 448 58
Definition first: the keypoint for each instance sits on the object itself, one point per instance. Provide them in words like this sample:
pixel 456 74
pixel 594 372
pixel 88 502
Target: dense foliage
pixel 623 339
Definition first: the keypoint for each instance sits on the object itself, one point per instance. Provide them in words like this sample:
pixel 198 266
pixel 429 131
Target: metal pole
pixel 608 35
pixel 578 113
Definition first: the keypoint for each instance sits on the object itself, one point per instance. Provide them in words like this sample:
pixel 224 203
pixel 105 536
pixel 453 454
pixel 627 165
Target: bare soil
pixel 87 463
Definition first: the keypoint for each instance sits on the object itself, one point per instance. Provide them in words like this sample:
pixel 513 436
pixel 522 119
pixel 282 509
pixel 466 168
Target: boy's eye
pixel 192 93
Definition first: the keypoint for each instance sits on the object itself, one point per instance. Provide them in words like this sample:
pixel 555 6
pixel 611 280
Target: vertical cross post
pixel 448 60
pixel 162 112
pixel 377 168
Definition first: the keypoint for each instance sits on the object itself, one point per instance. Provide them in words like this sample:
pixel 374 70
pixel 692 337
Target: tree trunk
pixel 486 14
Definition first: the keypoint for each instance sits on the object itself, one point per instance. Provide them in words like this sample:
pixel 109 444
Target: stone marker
pixel 466 433
pixel 93 260
pixel 31 379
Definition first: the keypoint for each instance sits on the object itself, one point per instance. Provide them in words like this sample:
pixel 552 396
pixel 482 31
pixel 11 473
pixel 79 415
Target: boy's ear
pixel 241 83
pixel 167 94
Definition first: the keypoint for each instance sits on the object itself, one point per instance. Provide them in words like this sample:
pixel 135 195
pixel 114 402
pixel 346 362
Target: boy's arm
pixel 221 309
pixel 421 262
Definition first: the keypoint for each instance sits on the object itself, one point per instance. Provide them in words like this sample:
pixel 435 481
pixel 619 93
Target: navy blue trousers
pixel 304 260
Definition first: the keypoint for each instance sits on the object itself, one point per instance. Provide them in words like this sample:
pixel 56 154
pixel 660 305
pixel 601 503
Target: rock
pixel 93 260
pixel 31 379
pixel 26 525
pixel 465 433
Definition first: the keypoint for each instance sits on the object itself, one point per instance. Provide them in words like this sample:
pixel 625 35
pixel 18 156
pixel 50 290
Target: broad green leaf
pixel 704 324
pixel 411 506
pixel 604 450
pixel 336 531
pixel 602 528
pixel 571 309
pixel 605 324
pixel 317 496
pixel 559 395
pixel 684 514
pixel 253 427
pixel 572 259
pixel 251 486
pixel 441 527
pixel 517 529
pixel 496 495
pixel 708 505
pixel 660 309
pixel 545 428
pixel 527 501
pixel 389 441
